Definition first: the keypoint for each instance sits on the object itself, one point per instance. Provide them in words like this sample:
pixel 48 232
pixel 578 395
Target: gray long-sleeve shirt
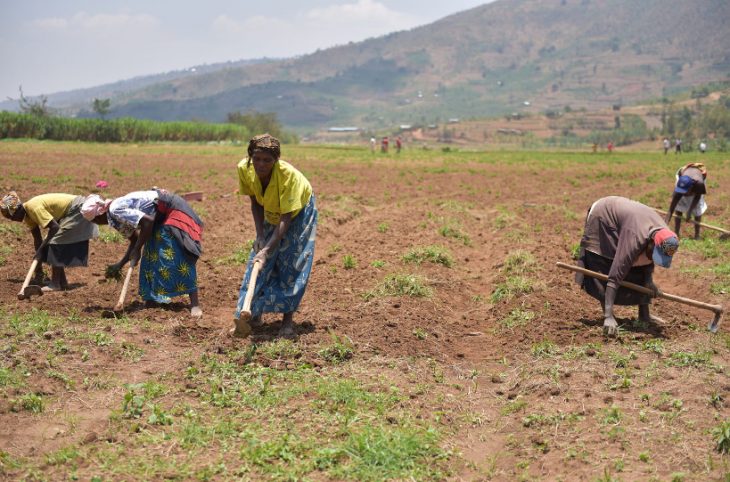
pixel 620 229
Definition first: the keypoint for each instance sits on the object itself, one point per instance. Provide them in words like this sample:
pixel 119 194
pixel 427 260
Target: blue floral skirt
pixel 281 282
pixel 166 269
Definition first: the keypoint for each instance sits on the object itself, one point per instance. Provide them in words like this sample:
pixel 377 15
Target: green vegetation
pixel 434 254
pixel 400 285
pixel 110 235
pixel 240 254
pixel 349 261
pixel 15 126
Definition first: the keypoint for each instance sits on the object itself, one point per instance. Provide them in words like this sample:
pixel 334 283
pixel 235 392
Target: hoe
pixel 716 309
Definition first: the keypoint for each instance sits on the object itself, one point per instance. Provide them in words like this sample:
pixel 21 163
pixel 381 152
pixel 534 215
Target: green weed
pixel 340 350
pixel 31 402
pixel 400 285
pixel 543 349
pixel 433 254
pixel 240 254
pixel 721 434
pixel 110 235
pixel 349 261
pixel 450 231
pixel 511 287
pixel 517 317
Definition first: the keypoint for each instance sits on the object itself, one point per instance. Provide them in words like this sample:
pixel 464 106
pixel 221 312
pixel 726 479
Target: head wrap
pixel 665 245
pixel 10 203
pixel 265 142
pixel 93 206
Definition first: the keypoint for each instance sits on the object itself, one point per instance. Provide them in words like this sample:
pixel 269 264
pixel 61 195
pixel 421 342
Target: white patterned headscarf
pixel 93 206
pixel 10 203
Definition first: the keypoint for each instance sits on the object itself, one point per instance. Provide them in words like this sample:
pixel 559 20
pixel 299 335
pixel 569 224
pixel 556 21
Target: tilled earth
pixel 536 351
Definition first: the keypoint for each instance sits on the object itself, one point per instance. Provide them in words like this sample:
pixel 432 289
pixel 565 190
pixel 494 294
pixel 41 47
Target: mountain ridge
pixel 506 56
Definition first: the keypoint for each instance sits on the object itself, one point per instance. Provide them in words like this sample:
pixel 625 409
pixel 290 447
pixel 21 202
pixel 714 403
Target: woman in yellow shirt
pixel 285 216
pixel 67 243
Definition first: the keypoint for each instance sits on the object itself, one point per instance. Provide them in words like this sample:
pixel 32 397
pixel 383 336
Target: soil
pixel 501 207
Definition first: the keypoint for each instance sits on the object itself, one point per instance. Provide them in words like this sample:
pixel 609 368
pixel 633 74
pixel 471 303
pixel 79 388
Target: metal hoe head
pixel 30 291
pixel 715 323
pixel 242 328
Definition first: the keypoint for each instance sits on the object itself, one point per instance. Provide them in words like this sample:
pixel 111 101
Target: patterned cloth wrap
pixel 282 281
pixel 10 203
pixel 168 265
pixel 166 269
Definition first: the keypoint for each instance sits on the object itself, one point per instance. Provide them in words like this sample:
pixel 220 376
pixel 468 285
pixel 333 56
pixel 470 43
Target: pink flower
pixel 102 184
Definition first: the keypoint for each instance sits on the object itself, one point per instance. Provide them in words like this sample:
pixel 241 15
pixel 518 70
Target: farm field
pixel 437 339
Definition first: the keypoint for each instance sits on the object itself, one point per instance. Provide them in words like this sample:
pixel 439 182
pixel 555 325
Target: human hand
pixel 113 271
pixel 259 244
pixel 654 288
pixel 261 256
pixel 610 327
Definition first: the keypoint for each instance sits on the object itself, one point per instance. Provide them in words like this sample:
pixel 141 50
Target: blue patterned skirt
pixel 281 282
pixel 166 269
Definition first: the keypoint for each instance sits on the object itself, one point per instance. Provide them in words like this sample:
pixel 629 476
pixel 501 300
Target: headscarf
pixel 665 245
pixel 93 206
pixel 10 203
pixel 265 142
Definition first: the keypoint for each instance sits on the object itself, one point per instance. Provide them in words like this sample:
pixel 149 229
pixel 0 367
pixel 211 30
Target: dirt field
pixel 499 371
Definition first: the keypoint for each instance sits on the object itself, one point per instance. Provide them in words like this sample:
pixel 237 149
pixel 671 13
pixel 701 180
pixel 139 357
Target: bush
pixel 14 125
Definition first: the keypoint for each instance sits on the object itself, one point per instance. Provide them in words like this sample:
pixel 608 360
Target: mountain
pixel 506 56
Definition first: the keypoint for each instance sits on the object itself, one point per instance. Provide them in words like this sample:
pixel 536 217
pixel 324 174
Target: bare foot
pixel 196 312
pixel 256 321
pixel 287 331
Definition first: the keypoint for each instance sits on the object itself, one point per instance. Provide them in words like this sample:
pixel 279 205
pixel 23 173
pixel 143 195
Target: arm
pixel 627 251
pixel 273 243
pixel 53 228
pixel 257 211
pixel 675 200
pixel 136 241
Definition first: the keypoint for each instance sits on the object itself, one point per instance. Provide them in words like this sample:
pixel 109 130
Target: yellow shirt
pixel 41 210
pixel 288 190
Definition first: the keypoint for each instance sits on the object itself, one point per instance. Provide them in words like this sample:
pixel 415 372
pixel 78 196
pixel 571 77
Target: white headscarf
pixel 93 206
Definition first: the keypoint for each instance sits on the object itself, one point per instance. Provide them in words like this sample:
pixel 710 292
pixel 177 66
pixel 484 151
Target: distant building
pixel 405 127
pixel 343 129
pixel 454 120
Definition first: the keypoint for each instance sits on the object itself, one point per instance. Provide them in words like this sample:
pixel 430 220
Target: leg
pixel 56 278
pixel 64 281
pixel 287 326
pixel 195 310
pixel 644 314
pixel 677 223
pixel 698 219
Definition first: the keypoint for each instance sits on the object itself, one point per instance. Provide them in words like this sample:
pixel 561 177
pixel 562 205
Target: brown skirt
pixel 624 296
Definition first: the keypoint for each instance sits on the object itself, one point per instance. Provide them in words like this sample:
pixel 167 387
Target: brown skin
pixel 610 325
pixel 134 250
pixel 58 274
pixel 676 197
pixel 263 164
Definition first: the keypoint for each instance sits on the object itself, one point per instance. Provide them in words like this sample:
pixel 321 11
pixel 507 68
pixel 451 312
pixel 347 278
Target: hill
pixel 507 56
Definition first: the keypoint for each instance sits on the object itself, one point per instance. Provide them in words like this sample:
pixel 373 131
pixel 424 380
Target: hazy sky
pixel 49 46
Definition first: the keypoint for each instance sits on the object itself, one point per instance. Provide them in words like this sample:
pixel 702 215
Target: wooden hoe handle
pixel 125 287
pixel 250 289
pixel 33 266
pixel 708 226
